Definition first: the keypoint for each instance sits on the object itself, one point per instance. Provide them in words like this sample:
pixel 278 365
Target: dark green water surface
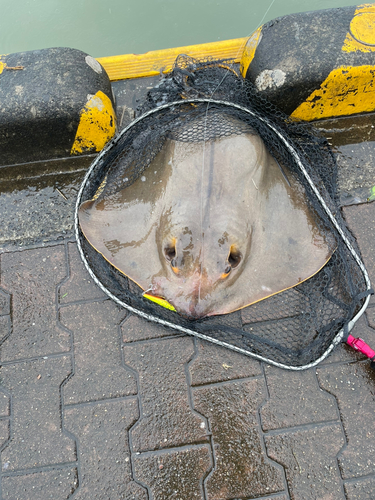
pixel 110 27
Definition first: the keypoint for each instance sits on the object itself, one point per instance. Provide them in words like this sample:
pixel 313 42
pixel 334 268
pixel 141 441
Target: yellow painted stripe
pixel 346 91
pixel 249 51
pixel 159 301
pixel 361 36
pixel 2 64
pixel 97 125
pixel 152 63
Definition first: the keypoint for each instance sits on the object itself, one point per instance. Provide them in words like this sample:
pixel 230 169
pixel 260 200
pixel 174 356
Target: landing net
pixel 206 100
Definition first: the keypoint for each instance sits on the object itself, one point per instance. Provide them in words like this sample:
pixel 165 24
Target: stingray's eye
pixel 170 251
pixel 234 257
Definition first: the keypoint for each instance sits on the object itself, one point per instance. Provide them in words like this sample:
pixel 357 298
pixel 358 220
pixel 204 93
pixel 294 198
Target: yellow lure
pixel 160 301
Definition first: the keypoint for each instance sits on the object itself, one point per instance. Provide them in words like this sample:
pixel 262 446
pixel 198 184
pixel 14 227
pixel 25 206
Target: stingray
pixel 211 227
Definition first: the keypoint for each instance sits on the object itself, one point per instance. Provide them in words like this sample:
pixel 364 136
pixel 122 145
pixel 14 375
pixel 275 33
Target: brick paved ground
pixel 99 404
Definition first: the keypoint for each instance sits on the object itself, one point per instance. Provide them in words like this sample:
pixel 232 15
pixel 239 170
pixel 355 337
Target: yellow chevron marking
pixel 249 50
pixel 347 90
pixel 2 64
pixel 361 36
pixel 97 125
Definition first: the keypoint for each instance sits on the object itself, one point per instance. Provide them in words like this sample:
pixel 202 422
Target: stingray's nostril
pixel 226 272
pixel 174 267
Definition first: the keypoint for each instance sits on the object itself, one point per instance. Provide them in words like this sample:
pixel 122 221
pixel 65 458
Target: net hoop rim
pixel 340 335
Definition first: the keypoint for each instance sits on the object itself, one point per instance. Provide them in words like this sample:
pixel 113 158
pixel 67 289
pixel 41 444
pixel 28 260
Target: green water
pixel 110 27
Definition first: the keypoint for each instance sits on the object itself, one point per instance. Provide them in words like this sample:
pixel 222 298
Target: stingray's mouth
pixel 161 301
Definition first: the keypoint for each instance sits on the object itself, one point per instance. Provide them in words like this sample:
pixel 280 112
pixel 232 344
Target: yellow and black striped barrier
pixel 54 103
pixel 316 65
pixel 58 102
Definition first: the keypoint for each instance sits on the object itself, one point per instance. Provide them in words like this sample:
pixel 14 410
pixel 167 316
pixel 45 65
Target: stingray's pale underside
pixel 211 227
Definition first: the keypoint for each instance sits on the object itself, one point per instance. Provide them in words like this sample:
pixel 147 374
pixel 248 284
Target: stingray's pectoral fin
pixel 123 234
pixel 85 221
pixel 90 225
pixel 84 211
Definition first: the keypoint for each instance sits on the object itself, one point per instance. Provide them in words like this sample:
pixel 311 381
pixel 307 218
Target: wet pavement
pixel 99 404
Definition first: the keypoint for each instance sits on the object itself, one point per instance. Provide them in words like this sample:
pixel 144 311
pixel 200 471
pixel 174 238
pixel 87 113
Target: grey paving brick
pixel 135 328
pixel 295 398
pixel 174 474
pixel 167 419
pixel 309 458
pixel 5 327
pixel 98 370
pixel 37 438
pixel 370 337
pixel 54 484
pixel 4 404
pixel 361 221
pixel 4 431
pixel 4 301
pixel 363 489
pixel 103 449
pixel 242 469
pixel 32 276
pixel 353 387
pixel 274 497
pixel 215 364
pixel 79 285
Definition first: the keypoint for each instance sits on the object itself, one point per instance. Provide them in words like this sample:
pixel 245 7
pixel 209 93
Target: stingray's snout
pixel 220 267
pixel 196 286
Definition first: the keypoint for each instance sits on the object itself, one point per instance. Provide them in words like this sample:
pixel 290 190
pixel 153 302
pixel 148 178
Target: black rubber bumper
pixel 53 103
pixel 317 64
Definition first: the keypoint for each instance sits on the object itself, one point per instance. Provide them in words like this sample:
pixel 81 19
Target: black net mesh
pixel 295 327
